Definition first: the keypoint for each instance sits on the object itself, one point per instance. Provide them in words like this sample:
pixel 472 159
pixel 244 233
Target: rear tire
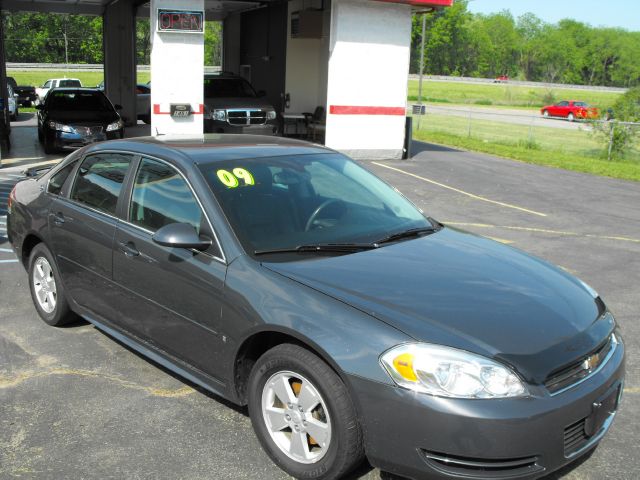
pixel 313 433
pixel 46 288
pixel 571 117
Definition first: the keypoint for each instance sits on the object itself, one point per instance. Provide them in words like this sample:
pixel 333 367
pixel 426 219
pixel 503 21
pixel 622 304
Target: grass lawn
pixel 576 150
pixel 506 95
pixel 88 79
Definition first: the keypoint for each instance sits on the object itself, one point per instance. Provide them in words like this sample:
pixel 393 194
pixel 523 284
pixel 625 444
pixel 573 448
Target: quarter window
pixel 57 180
pixel 161 196
pixel 99 181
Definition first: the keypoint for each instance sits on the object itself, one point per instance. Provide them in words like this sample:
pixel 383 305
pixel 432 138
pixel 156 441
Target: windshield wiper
pixel 320 248
pixel 412 232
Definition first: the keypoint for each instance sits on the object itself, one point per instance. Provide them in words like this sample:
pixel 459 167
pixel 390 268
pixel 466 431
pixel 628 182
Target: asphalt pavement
pixel 76 404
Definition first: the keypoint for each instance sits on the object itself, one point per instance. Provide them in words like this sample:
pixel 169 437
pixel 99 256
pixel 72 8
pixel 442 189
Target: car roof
pixel 77 89
pixel 210 148
pixel 52 79
pixel 221 75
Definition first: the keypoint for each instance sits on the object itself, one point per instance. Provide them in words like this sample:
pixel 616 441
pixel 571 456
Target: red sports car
pixel 570 110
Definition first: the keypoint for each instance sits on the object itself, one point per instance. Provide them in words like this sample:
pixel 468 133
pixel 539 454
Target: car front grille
pixel 582 368
pixel 82 130
pixel 246 117
pixel 482 467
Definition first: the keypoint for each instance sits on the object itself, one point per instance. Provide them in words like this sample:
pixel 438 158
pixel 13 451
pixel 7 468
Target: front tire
pixel 49 148
pixel 303 415
pixel 46 288
pixel 545 113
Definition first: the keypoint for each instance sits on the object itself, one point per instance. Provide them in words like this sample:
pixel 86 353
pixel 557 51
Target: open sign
pixel 180 21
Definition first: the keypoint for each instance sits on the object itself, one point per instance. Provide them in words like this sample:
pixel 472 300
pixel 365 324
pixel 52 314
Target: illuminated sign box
pixel 180 21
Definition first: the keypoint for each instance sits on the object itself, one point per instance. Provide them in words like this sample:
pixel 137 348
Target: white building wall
pixel 367 80
pixel 307 63
pixel 177 72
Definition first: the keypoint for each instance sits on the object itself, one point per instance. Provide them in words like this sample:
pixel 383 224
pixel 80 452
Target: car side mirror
pixel 117 106
pixel 39 106
pixel 261 93
pixel 180 235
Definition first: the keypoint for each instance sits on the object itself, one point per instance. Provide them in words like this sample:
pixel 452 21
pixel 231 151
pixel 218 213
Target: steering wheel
pixel 317 211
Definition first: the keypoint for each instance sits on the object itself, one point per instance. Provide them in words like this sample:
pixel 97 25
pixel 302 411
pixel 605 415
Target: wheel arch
pixel 28 244
pixel 259 342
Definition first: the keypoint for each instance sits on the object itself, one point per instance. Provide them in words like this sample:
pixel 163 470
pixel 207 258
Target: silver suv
pixel 233 106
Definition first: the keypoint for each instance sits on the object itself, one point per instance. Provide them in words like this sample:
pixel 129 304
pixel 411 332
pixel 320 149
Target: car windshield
pixel 581 104
pixel 78 101
pixel 227 87
pixel 285 202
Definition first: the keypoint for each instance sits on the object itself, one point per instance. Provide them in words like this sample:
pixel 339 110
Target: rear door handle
pixel 129 249
pixel 58 219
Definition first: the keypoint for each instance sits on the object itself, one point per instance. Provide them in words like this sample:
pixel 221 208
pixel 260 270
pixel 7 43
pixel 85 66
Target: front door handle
pixel 129 249
pixel 58 219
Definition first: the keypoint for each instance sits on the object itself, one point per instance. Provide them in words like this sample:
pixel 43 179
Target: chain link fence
pixel 530 130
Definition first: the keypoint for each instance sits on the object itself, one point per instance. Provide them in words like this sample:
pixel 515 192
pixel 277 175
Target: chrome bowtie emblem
pixel 592 362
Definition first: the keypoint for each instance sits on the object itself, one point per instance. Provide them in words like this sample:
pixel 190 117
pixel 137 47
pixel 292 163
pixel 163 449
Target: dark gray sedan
pixel 283 276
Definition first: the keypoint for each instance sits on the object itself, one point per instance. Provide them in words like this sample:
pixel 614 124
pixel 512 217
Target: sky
pixel 608 13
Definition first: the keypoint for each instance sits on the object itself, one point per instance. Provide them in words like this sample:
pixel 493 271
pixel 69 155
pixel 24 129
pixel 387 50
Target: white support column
pixel 368 71
pixel 177 72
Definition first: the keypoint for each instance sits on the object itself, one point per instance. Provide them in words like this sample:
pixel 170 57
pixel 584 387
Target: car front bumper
pixel 425 437
pixel 72 141
pixel 216 126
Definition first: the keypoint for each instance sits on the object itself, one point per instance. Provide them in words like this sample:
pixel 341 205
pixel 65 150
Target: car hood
pixel 454 288
pixel 82 118
pixel 247 102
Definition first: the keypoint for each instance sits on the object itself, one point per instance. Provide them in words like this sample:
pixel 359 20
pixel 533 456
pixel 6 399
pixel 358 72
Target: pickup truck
pixel 41 92
pixel 233 106
pixel 26 93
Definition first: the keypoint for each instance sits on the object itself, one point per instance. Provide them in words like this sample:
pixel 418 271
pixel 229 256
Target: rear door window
pixel 99 181
pixel 162 196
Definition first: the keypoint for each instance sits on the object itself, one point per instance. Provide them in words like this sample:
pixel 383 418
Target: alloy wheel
pixel 44 284
pixel 296 417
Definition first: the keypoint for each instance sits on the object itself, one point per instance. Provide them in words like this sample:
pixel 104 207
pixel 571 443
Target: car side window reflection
pixel 161 196
pixel 99 181
pixel 57 180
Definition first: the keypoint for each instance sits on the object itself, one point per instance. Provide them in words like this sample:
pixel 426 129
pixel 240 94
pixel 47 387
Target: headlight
pixel 271 115
pixel 220 115
pixel 449 372
pixel 61 127
pixel 117 125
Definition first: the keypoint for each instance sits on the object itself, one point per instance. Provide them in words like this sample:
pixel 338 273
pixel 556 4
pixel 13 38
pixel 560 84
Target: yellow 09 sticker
pixel 232 179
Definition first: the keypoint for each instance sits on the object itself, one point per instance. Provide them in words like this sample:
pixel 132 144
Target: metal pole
pixel 611 139
pixel 66 50
pixel 424 30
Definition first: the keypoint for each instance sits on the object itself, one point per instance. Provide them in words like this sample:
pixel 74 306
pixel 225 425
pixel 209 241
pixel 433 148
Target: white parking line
pixel 15 260
pixel 6 250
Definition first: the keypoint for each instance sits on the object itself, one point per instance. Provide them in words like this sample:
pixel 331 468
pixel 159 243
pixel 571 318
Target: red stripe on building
pixel 362 110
